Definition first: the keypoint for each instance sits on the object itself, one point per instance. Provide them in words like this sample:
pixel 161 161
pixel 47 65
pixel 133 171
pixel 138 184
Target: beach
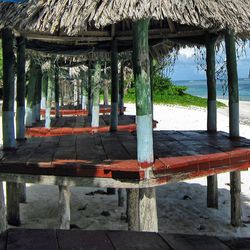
pixel 181 206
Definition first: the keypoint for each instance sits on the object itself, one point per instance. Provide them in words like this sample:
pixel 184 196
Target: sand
pixel 176 215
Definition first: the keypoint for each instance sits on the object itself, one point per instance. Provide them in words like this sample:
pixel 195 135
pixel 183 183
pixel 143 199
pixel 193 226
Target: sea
pixel 199 88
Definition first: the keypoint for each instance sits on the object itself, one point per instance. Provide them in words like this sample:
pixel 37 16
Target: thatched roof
pixel 73 17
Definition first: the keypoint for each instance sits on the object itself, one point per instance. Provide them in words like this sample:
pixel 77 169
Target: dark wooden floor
pixel 179 155
pixel 27 239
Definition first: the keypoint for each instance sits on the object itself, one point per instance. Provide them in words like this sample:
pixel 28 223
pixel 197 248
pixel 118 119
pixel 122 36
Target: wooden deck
pixel 109 160
pixel 73 125
pixel 28 239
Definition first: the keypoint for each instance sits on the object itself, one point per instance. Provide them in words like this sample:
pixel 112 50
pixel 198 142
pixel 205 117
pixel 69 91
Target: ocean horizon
pixel 199 88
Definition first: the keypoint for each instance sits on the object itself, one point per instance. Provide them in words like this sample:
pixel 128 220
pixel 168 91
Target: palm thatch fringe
pixel 73 17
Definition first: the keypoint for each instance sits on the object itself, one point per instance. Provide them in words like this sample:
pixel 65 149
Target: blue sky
pixel 186 69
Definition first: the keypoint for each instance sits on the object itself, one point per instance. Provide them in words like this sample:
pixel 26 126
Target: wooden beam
pixel 114 87
pixel 21 89
pixel 8 90
pixel 145 155
pixel 235 179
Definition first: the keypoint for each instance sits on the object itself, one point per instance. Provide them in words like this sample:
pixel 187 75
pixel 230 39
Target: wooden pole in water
pixel 57 91
pixel 49 97
pixel 235 179
pixel 8 90
pixel 64 207
pixel 95 87
pixel 121 90
pixel 21 89
pixel 114 87
pixel 13 212
pixel 212 185
pixel 145 155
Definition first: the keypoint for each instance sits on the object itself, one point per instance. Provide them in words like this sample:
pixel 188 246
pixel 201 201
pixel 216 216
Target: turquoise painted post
pixel 114 87
pixel 57 91
pixel 95 87
pixel 8 90
pixel 235 178
pixel 121 90
pixel 50 90
pixel 20 88
pixel 145 155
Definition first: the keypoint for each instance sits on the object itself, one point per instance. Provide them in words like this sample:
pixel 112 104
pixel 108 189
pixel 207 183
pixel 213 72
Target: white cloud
pixel 187 52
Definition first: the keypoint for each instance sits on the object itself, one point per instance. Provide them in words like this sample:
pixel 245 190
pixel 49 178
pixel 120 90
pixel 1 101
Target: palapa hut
pixel 118 26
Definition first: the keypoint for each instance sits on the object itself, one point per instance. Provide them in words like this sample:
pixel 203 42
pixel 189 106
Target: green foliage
pixel 165 92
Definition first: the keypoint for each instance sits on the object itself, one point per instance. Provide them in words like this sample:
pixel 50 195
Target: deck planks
pixel 178 156
pixel 50 239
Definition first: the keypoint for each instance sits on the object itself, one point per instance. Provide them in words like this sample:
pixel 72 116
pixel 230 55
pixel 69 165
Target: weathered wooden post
pixel 147 197
pixel 75 93
pixel 49 97
pixel 8 123
pixel 121 197
pixel 3 222
pixel 89 89
pixel 95 87
pixel 8 90
pixel 57 91
pixel 64 207
pixel 121 90
pixel 31 93
pixel 235 179
pixel 20 94
pixel 212 186
pixel 133 209
pixel 20 102
pixel 84 92
pixel 38 94
pixel 13 212
pixel 114 87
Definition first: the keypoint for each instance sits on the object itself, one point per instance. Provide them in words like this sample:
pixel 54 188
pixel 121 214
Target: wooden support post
pixel 3 222
pixel 64 207
pixel 44 89
pixel 152 83
pixel 114 87
pixel 31 93
pixel 133 209
pixel 121 90
pixel 121 197
pixel 22 192
pixel 89 90
pixel 38 95
pixel 21 87
pixel 57 91
pixel 147 200
pixel 13 212
pixel 8 90
pixel 75 93
pixel 84 91
pixel 49 97
pixel 212 185
pixel 95 87
pixel 235 179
